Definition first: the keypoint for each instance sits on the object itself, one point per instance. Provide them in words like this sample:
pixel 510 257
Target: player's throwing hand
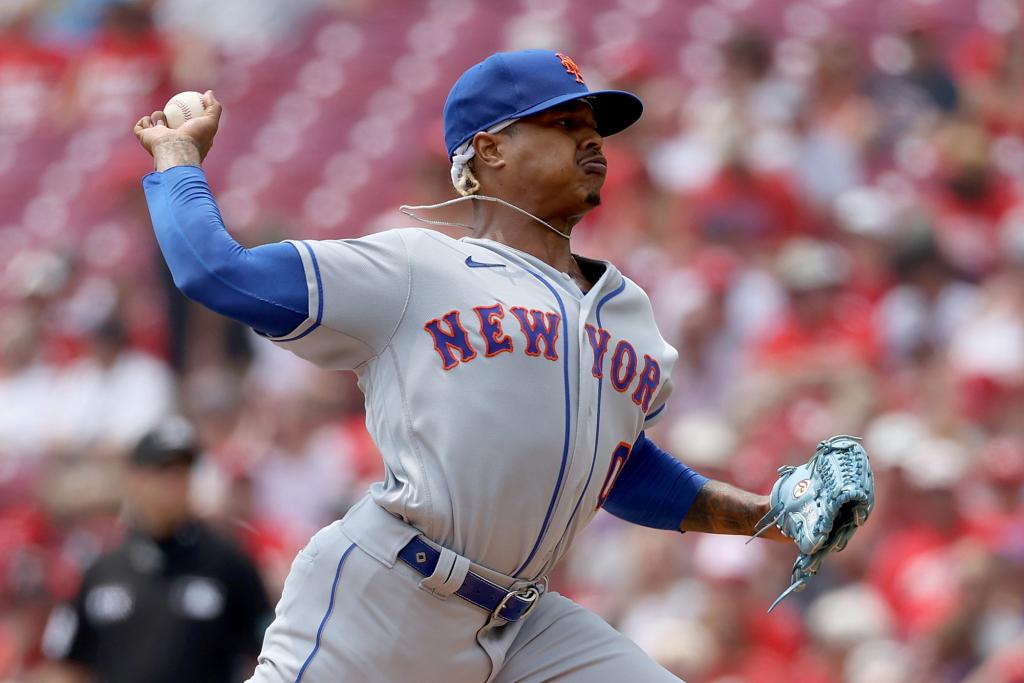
pixel 153 132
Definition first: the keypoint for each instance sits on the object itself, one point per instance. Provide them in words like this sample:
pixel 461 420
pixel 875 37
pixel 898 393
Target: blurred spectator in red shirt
pixel 994 515
pixel 823 327
pixel 914 565
pixel 29 73
pixel 986 356
pixel 126 70
pixel 992 68
pixel 746 208
pixel 971 198
pixel 812 371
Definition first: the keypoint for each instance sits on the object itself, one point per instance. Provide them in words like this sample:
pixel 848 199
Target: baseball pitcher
pixel 508 384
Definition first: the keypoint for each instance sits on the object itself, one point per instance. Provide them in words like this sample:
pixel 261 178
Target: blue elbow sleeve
pixel 264 287
pixel 654 489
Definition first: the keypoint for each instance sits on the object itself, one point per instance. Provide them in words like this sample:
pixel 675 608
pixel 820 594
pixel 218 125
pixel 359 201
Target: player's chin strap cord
pixel 409 211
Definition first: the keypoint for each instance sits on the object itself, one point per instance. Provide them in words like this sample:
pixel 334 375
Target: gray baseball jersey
pixel 503 399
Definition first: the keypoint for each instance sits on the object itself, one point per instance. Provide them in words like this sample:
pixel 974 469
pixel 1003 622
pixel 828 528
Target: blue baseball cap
pixel 511 85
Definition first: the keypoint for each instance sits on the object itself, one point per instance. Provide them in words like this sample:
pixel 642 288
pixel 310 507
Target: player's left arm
pixel 722 508
pixel 656 490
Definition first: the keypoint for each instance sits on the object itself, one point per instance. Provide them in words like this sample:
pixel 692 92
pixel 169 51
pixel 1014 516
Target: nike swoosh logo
pixel 476 264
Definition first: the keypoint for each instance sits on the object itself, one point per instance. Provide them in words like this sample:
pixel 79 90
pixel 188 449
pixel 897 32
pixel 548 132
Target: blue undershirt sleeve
pixel 654 489
pixel 264 287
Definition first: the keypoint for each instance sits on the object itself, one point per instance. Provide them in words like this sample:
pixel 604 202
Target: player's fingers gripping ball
pixel 188 116
pixel 821 504
pixel 184 107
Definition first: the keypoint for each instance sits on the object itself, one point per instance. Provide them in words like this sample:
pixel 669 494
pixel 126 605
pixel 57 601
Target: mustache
pixel 593 157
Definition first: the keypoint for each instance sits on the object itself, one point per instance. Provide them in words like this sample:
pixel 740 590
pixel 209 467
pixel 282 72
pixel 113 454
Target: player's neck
pixel 534 239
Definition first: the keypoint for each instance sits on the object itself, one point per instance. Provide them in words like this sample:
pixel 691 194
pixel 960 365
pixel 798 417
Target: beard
pixel 593 199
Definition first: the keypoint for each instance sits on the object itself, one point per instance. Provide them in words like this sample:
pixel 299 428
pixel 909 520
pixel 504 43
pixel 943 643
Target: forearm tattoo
pixel 175 153
pixel 723 509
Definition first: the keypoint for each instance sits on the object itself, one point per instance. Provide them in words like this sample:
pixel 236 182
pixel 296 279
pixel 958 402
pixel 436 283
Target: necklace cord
pixel 409 211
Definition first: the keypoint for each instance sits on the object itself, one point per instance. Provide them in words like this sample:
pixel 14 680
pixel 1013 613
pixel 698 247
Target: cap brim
pixel 614 110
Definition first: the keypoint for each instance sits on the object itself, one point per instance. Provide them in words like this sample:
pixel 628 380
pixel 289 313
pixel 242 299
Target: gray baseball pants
pixel 350 612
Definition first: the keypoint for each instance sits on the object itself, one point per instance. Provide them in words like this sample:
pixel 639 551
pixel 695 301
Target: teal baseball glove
pixel 821 504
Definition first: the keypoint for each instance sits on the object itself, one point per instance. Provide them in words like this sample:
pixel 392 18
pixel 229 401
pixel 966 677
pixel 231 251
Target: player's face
pixel 557 161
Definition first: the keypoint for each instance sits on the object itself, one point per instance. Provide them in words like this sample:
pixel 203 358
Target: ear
pixel 488 150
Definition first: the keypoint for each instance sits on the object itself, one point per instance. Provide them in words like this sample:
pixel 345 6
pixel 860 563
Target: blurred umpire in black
pixel 175 601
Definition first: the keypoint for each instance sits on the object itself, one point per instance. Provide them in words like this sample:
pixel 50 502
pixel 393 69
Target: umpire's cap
pixel 172 442
pixel 511 85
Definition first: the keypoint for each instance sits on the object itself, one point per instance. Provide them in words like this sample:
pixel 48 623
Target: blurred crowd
pixel 832 234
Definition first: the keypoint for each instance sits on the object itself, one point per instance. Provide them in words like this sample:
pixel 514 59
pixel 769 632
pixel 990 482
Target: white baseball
pixel 183 107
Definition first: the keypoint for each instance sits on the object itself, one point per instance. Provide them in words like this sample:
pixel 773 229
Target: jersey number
pixel 619 458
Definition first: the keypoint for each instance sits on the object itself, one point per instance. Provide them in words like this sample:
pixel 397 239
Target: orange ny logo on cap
pixel 570 66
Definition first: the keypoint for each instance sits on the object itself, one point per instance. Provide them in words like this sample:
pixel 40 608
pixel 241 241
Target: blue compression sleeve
pixel 654 489
pixel 264 287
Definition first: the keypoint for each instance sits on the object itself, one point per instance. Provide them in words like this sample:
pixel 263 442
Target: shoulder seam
pixel 408 291
pixel 405 305
pixel 434 235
